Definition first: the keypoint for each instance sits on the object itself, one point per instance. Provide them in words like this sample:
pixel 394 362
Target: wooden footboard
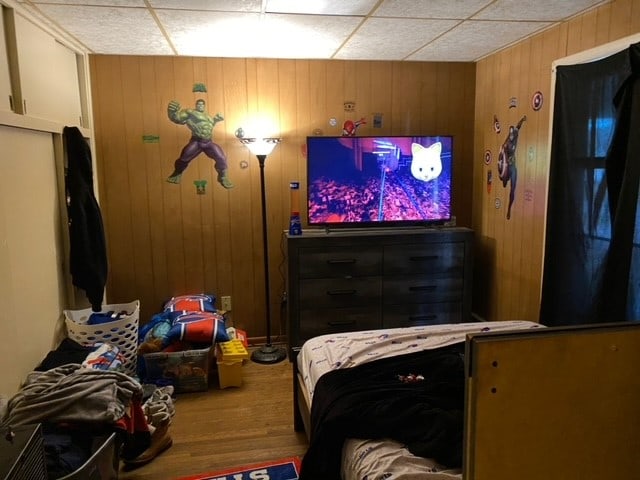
pixel 301 410
pixel 554 403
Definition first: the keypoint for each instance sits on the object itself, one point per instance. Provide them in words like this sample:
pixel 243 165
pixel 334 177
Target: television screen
pixel 379 180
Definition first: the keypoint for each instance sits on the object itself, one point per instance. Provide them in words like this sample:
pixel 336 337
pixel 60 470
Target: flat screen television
pixel 379 181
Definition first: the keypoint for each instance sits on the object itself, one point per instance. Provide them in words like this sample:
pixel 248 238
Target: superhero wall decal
pixel 507 168
pixel 350 128
pixel 200 123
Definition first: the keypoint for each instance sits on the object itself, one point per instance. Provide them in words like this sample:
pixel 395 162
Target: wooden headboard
pixel 556 403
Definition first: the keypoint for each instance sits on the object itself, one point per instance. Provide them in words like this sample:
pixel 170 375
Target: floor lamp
pixel 261 147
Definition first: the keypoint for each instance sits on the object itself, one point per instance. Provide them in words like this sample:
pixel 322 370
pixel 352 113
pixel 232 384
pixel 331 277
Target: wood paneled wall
pixel 165 239
pixel 510 252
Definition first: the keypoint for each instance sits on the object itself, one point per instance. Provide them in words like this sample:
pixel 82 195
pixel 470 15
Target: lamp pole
pixel 267 353
pixel 265 246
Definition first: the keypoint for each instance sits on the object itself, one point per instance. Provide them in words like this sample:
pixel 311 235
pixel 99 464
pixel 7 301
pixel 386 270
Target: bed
pixel 360 429
pixel 361 457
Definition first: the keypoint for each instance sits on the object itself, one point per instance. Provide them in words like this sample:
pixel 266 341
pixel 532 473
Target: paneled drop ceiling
pixel 413 30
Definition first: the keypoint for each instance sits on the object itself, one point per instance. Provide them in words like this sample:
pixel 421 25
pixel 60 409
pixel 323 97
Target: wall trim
pixel 594 54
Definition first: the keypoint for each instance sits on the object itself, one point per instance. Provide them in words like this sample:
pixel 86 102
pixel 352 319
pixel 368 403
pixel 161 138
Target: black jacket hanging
pixel 88 255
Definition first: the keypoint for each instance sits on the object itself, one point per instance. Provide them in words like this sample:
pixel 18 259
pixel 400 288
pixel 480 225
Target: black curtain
pixel 592 259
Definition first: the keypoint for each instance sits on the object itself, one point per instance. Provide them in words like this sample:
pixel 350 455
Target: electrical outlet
pixel 225 303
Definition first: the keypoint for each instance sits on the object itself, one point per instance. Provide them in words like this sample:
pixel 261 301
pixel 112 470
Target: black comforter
pixel 380 399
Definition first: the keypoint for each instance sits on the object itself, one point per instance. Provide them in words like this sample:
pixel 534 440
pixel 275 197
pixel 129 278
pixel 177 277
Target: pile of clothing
pixel 78 393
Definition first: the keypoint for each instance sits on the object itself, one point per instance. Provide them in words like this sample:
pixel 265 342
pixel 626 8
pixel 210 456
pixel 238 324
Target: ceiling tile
pixel 198 33
pixel 391 39
pixel 99 3
pixel 308 36
pixel 326 7
pixel 209 5
pixel 472 40
pixel 255 35
pixel 111 30
pixel 432 9
pixel 543 10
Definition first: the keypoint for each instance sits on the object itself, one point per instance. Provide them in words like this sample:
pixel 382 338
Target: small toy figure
pixel 410 378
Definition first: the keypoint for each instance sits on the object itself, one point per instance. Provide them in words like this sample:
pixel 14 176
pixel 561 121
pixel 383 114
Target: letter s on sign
pixel 259 475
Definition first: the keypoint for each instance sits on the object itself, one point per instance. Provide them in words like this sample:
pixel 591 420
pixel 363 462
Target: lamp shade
pixel 260 146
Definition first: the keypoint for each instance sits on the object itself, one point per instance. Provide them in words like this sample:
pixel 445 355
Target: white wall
pixel 32 285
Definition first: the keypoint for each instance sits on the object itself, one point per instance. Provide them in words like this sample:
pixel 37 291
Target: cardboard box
pixel 187 371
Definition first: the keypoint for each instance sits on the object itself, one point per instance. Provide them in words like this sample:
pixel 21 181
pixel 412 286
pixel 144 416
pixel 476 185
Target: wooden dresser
pixel 341 281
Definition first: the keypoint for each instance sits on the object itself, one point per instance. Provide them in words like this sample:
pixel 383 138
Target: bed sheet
pixel 388 459
pixel 321 354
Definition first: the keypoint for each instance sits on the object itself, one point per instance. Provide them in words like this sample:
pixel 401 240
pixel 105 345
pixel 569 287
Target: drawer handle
pixel 423 288
pixel 423 258
pixel 341 261
pixel 341 324
pixel 422 318
pixel 341 292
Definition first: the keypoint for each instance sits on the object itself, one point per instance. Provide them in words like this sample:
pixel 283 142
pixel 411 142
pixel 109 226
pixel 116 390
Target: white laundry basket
pixel 123 332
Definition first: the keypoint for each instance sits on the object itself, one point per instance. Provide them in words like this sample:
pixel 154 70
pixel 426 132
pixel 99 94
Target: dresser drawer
pixel 341 280
pixel 322 321
pixel 343 262
pixel 340 292
pixel 411 315
pixel 422 289
pixel 425 258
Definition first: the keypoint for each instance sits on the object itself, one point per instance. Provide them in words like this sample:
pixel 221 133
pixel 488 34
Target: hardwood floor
pixel 224 428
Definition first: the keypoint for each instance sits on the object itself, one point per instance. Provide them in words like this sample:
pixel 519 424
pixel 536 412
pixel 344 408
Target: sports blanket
pixel 416 399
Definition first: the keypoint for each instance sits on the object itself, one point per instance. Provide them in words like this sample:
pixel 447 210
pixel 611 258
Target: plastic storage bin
pixel 187 371
pixel 230 356
pixel 123 332
pixel 229 373
pixel 232 350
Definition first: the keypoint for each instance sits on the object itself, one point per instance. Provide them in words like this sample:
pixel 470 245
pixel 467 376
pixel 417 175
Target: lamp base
pixel 268 354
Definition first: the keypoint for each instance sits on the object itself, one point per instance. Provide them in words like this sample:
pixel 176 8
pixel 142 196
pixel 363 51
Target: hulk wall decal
pixel 201 125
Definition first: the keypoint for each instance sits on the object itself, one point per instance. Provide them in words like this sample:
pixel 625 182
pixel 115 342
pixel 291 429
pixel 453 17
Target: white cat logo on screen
pixel 426 164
